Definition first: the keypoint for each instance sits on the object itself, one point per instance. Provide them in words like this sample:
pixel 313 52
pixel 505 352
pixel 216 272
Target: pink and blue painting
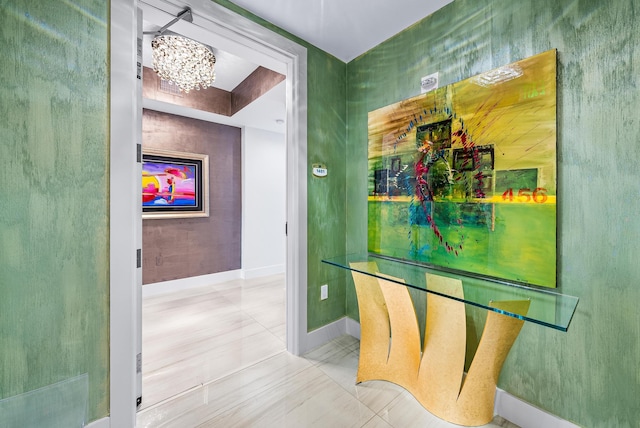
pixel 172 184
pixel 463 178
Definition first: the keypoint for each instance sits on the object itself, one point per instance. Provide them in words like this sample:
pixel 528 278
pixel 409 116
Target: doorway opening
pixel 243 37
pixel 213 292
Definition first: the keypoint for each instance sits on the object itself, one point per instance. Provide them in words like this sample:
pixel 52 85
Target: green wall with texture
pixel 589 375
pixel 326 144
pixel 53 197
pixel 326 218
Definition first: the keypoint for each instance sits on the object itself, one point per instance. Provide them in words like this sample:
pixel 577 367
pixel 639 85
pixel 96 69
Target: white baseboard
pixel 353 328
pixel 191 282
pixel 100 423
pixel 325 334
pixel 526 415
pixel 262 271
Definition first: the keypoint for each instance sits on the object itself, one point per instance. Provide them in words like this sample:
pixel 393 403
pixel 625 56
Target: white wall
pixel 263 202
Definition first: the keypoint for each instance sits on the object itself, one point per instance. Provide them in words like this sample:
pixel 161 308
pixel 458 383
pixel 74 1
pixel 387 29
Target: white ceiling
pixel 344 28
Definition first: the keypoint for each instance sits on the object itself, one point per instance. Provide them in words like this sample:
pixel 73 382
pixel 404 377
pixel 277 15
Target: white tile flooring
pixel 215 357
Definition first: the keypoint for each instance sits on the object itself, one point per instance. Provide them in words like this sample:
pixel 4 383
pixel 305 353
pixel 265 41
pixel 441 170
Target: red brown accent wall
pixel 182 248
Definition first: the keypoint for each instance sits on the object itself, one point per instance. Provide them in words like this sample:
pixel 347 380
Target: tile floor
pixel 215 357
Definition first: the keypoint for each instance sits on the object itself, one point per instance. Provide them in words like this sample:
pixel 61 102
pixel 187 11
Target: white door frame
pixel 125 219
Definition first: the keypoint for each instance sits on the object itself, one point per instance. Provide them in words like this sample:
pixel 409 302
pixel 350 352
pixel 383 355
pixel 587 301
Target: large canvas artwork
pixel 464 177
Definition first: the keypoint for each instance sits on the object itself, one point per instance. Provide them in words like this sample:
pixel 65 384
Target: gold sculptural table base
pixel 433 373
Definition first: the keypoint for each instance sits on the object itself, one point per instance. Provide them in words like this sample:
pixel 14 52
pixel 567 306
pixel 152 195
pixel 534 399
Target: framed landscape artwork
pixel 174 184
pixel 463 178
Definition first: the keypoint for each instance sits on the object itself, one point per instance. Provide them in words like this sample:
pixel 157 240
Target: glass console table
pixel 547 307
pixel 432 369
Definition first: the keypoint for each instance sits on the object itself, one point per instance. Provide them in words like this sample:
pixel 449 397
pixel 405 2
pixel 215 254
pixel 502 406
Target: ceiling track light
pixel 181 61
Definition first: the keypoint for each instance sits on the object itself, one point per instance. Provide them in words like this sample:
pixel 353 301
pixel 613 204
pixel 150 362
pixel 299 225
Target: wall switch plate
pixel 324 291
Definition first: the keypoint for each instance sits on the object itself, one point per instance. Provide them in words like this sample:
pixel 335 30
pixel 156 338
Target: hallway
pixel 215 357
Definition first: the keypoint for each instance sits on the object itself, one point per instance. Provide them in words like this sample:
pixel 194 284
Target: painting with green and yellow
pixel 464 177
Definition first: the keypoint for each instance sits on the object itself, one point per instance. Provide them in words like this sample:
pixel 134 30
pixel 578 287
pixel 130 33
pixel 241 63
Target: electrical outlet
pixel 324 291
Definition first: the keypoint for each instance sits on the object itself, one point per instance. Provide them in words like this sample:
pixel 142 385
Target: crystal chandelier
pixel 181 61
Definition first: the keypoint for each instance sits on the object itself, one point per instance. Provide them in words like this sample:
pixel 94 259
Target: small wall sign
pixel 319 170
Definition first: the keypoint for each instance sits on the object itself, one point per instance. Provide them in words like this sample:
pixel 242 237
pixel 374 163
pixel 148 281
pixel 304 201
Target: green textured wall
pixel 326 144
pixel 53 196
pixel 589 375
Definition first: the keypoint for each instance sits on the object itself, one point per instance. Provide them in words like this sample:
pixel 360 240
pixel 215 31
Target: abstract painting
pixel 463 178
pixel 174 184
